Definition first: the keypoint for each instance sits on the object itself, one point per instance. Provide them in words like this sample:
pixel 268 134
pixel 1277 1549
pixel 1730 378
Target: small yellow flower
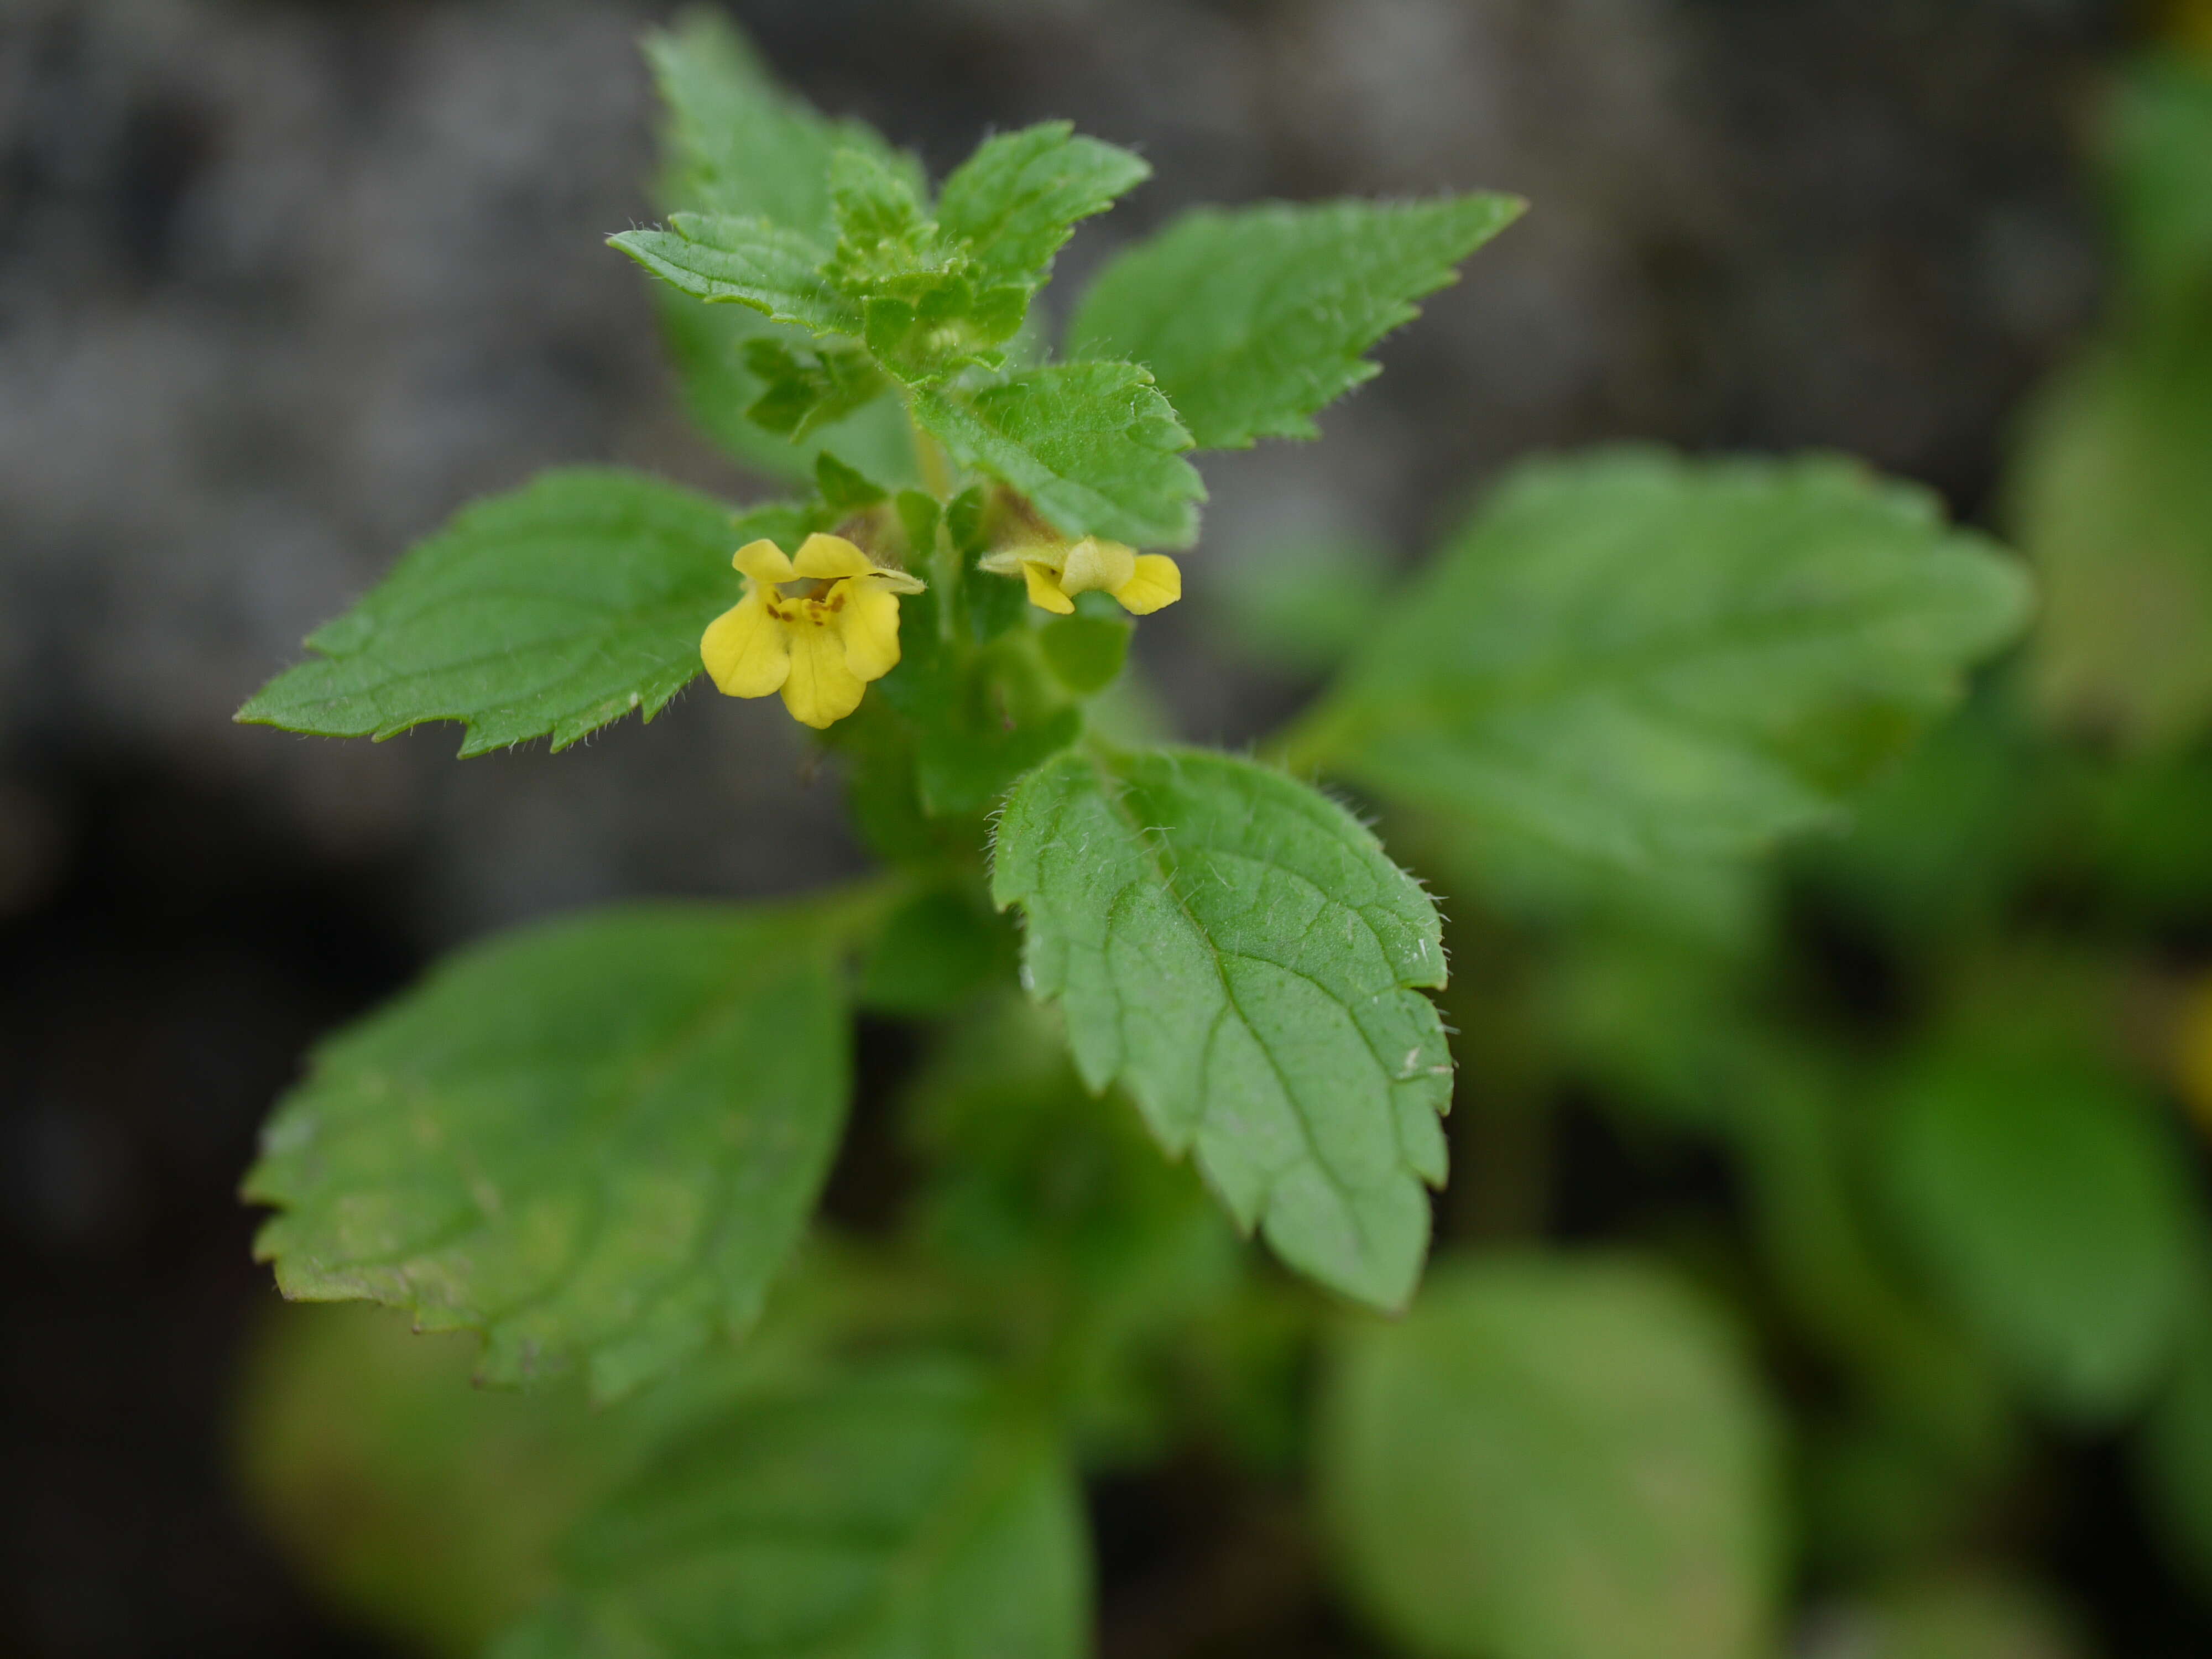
pixel 1142 582
pixel 816 628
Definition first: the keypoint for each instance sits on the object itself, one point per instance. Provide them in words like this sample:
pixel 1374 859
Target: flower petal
pixel 1157 581
pixel 821 690
pixel 1044 589
pixel 743 648
pixel 763 560
pixel 1092 564
pixel 827 558
pixel 869 626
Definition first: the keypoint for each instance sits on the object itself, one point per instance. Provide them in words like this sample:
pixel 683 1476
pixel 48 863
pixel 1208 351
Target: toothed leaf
pixel 1253 319
pixel 1095 445
pixel 595 1141
pixel 1236 949
pixel 546 613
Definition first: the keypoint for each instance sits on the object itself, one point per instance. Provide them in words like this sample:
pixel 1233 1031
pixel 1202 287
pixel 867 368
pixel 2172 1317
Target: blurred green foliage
pixel 2113 493
pixel 1914 1101
pixel 1555 1455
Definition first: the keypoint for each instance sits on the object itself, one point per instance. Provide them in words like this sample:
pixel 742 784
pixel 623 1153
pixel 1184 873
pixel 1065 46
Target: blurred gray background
pixel 282 284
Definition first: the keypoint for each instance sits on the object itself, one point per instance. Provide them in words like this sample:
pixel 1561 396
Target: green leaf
pixel 967 760
pixel 919 514
pixel 1720 909
pixel 927 308
pixel 735 142
pixel 883 232
pixel 595 1141
pixel 1943 844
pixel 1237 949
pixel 2054 1214
pixel 942 322
pixel 453 1495
pixel 1638 657
pixel 844 490
pixel 747 262
pixel 935 297
pixel 2112 497
pixel 1554 1460
pixel 805 391
pixel 971 705
pixel 1255 319
pixel 939 949
pixel 905 1511
pixel 1015 201
pixel 708 345
pixel 1060 1221
pixel 1095 445
pixel 968 520
pixel 546 613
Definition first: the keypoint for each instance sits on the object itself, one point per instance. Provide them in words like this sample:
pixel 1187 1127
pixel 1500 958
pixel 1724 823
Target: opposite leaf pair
pixel 836 290
pixel 928 295
pixel 1629 658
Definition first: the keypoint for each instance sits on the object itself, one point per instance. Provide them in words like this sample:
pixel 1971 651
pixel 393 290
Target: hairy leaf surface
pixel 907 1512
pixel 809 391
pixel 883 232
pixel 1018 199
pixel 747 262
pixel 1094 444
pixel 1554 1460
pixel 1238 952
pixel 594 1142
pixel 736 142
pixel 709 345
pixel 1254 318
pixel 1638 657
pixel 548 612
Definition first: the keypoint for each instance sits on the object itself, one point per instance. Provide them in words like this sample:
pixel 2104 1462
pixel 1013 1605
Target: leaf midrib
pixel 1152 854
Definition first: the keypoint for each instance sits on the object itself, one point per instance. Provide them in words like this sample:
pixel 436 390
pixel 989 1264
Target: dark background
pixel 281 284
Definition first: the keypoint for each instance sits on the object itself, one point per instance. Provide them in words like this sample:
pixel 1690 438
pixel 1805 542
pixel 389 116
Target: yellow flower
pixel 816 628
pixel 1143 582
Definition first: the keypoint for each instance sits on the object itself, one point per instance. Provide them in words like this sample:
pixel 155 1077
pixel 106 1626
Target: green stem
pixel 929 457
pixel 944 569
pixel 944 564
